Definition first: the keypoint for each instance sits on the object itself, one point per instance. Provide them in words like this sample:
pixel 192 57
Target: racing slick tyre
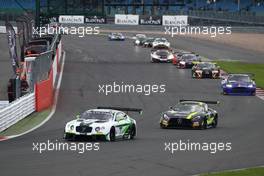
pixel 203 125
pixel 214 124
pixel 132 132
pixel 112 134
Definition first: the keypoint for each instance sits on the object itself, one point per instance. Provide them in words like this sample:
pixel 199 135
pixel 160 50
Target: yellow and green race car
pixel 190 113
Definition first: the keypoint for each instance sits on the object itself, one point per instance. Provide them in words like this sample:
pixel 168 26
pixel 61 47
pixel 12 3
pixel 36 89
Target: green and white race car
pixel 108 123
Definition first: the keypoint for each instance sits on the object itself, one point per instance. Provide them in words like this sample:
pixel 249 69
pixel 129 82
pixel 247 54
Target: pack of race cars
pixel 112 123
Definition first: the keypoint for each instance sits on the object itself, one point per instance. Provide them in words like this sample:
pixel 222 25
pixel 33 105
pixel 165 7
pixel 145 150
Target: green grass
pixel 27 123
pixel 247 172
pixel 241 67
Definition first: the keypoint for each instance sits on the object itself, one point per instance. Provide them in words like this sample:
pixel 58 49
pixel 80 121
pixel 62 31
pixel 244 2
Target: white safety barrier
pixel 17 110
pixel 3 104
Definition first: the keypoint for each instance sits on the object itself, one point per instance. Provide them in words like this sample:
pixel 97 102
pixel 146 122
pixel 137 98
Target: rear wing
pixel 121 109
pixel 203 101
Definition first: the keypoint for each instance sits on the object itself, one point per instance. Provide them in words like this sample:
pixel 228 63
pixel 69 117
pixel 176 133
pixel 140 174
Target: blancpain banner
pixel 177 20
pixel 71 19
pixel 127 19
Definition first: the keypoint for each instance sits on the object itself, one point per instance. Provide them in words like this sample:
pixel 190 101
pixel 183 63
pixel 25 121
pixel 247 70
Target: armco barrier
pixel 17 110
pixel 44 93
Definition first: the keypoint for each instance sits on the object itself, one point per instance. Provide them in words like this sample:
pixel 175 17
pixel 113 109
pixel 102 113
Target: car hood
pixel 79 122
pixel 177 114
pixel 239 83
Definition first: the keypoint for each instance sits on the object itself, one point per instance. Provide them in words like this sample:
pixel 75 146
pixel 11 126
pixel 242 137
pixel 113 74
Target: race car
pixel 116 36
pixel 161 55
pixel 148 42
pixel 178 55
pixel 188 60
pixel 160 41
pixel 107 123
pixel 206 70
pixel 139 39
pixel 239 84
pixel 190 114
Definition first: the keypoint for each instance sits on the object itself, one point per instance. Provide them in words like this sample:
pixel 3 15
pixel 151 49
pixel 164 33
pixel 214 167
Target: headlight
pixel 155 56
pixel 196 118
pixel 215 71
pixel 198 71
pixel 137 41
pixel 182 62
pixel 97 129
pixel 165 117
pixel 251 86
pixel 72 127
pixel 229 85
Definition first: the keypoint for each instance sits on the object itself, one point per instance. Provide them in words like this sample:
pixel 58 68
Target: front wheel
pixel 112 134
pixel 214 125
pixel 132 132
pixel 203 125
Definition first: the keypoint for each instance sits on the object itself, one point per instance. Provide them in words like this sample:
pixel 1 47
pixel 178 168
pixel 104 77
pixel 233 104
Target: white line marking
pixel 53 107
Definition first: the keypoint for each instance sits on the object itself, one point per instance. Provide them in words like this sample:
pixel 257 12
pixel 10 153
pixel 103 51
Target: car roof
pixel 104 110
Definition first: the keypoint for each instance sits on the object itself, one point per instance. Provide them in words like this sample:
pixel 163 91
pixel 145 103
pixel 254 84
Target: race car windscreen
pixel 187 108
pixel 206 65
pixel 189 57
pixel 98 115
pixel 162 53
pixel 161 40
pixel 239 78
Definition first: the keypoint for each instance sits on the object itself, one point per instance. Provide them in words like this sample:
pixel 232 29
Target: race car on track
pixel 206 70
pixel 108 123
pixel 148 42
pixel 238 84
pixel 188 60
pixel 178 55
pixel 161 55
pixel 139 39
pixel 160 41
pixel 116 36
pixel 190 113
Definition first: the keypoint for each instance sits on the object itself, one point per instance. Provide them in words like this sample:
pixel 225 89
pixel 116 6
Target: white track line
pixel 53 107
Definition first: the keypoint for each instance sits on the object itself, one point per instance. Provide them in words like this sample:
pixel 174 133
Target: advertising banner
pixel 95 19
pixel 126 19
pixel 150 20
pixel 177 20
pixel 71 19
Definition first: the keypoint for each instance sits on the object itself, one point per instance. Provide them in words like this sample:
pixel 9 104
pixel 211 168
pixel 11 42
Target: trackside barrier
pixel 44 93
pixel 45 89
pixel 17 110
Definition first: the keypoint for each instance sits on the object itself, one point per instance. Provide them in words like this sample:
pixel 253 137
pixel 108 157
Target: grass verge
pixel 241 67
pixel 245 172
pixel 27 123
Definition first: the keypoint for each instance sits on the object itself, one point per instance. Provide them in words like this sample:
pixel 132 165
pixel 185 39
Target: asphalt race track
pixel 93 61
